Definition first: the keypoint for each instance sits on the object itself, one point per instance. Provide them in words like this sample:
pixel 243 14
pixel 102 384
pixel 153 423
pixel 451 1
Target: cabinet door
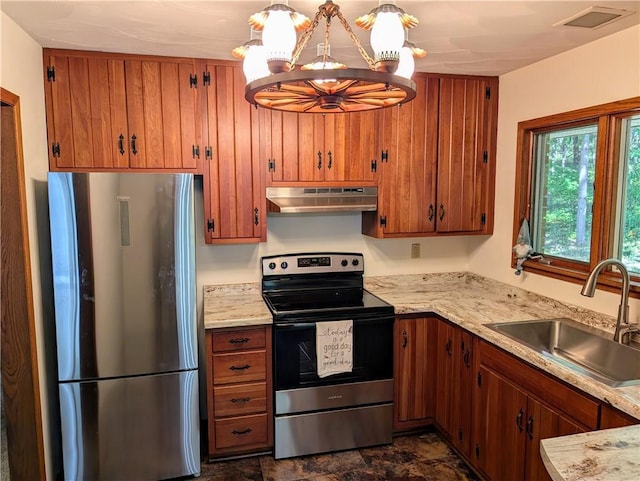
pixel 233 187
pixel 161 108
pixel 407 191
pixel 543 423
pixel 461 148
pixel 86 112
pixel 463 391
pixel 311 149
pixel 499 427
pixel 445 377
pixel 413 372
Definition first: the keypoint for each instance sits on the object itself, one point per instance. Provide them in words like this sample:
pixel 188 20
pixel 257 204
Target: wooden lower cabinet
pixel 454 384
pixel 515 407
pixel 239 384
pixel 612 418
pixel 414 369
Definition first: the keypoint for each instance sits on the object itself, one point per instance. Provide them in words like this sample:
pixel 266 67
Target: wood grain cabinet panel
pixel 117 111
pixel 463 146
pixel 515 406
pixel 234 179
pixel 308 149
pixel 240 391
pixel 414 368
pixel 438 160
pixel 454 384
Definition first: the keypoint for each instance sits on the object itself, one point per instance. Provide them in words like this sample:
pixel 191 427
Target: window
pixel 578 185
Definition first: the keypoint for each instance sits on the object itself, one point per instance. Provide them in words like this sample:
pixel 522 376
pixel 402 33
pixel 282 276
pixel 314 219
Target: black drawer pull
pixel 244 431
pixel 241 400
pixel 519 420
pixel 242 340
pixel 240 368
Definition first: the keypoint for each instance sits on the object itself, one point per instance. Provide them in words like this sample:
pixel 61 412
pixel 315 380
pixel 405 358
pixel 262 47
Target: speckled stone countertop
pixel 607 455
pixel 234 305
pixel 463 298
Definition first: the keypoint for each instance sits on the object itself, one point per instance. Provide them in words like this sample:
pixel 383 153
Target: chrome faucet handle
pixel 625 333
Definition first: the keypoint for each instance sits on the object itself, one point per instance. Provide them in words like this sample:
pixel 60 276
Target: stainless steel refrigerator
pixel 123 259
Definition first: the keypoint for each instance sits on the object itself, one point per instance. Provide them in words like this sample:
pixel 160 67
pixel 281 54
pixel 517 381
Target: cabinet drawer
pixel 241 431
pixel 240 400
pixel 238 339
pixel 239 367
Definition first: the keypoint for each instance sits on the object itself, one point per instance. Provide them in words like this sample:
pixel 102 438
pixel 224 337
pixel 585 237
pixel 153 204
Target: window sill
pixel 606 281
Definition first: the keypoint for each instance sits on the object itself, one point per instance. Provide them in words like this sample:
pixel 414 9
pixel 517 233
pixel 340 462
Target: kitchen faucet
pixel 622 323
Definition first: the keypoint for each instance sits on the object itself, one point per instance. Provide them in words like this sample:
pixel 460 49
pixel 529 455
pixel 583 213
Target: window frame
pixel 609 118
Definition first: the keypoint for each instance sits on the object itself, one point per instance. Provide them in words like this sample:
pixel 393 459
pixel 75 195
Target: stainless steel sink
pixel 578 347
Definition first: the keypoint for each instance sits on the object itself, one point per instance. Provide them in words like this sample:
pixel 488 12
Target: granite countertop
pixel 463 298
pixel 234 305
pixel 607 455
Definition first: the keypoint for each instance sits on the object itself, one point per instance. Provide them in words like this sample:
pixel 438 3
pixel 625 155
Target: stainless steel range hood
pixel 296 200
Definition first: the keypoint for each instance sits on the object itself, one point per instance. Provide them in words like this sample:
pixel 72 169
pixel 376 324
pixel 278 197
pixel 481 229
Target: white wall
pixel 605 70
pixel 21 73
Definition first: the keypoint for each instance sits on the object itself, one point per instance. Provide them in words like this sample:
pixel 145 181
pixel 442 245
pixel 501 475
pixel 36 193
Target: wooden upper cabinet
pixel 407 166
pixel 234 179
pixel 111 111
pixel 312 148
pixel 465 154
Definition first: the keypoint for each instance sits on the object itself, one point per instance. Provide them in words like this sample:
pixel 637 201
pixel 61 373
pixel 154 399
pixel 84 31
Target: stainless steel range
pixel 333 354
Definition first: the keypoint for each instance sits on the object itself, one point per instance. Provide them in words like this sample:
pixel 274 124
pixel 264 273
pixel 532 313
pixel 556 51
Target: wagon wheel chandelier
pixel 326 85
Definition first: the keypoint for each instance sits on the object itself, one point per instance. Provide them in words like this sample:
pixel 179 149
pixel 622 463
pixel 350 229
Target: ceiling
pixel 466 37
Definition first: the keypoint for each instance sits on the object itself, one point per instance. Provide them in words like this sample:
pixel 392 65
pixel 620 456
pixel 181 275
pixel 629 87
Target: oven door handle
pixel 295 325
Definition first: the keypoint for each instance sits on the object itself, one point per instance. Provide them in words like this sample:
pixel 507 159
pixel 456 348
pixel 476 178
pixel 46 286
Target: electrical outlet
pixel 415 251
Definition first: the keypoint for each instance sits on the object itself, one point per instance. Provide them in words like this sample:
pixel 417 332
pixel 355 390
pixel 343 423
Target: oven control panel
pixel 312 263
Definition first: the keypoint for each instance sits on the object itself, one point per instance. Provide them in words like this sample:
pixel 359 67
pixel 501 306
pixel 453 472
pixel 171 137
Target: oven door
pixel 295 364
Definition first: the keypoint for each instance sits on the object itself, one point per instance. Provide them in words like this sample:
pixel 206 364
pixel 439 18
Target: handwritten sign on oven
pixel 334 345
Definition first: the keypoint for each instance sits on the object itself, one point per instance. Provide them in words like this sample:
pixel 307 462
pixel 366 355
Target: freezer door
pixel 123 257
pixel 140 428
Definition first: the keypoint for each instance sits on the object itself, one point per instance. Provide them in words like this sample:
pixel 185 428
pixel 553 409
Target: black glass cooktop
pixel 325 304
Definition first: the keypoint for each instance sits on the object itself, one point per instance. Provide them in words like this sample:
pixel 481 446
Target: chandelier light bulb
pixel 255 64
pixel 387 35
pixel 407 64
pixel 279 39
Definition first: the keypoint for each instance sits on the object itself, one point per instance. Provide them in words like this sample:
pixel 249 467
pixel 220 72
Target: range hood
pixel 296 200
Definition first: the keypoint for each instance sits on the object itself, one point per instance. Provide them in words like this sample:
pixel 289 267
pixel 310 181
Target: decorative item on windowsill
pixel 523 249
pixel 274 82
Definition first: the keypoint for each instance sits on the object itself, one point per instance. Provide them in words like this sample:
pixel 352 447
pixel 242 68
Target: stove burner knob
pixel 272 265
pixel 284 265
pixel 355 262
pixel 344 262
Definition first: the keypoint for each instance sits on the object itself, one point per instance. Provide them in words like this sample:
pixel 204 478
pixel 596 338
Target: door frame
pixel 20 377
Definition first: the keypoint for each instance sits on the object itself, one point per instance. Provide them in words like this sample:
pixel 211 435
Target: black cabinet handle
pixel 441 212
pixel 241 400
pixel 519 420
pixel 319 160
pixel 134 148
pixel 256 217
pixel 432 212
pixel 330 160
pixel 244 431
pixel 467 358
pixel 447 347
pixel 240 340
pixel 240 368
pixel 405 339
pixel 530 427
pixel 121 144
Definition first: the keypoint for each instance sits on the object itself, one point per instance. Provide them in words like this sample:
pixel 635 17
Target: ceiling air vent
pixel 594 17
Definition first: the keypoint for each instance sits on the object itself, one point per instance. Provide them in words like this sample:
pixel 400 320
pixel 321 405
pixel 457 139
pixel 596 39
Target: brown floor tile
pixel 422 457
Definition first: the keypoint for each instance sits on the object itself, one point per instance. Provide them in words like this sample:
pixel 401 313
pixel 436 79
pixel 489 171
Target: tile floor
pixel 423 457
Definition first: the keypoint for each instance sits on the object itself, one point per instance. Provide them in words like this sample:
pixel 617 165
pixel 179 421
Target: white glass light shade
pixel 407 64
pixel 255 65
pixel 279 35
pixel 387 34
